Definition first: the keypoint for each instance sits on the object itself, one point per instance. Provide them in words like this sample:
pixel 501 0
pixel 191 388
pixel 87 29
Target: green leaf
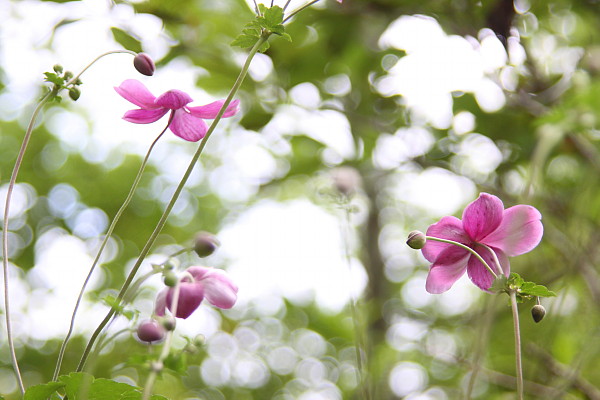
pixel 54 78
pixel 532 289
pixel 515 280
pixel 286 37
pixel 245 41
pixel 43 391
pixel 126 40
pixel 273 16
pixel 499 284
pixel 102 389
pixel 264 47
pixel 77 384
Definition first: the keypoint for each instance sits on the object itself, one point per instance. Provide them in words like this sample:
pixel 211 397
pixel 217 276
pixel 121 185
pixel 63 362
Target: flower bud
pixel 74 93
pixel 169 323
pixel 416 240
pixel 170 279
pixel 150 331
pixel 144 64
pixel 205 244
pixel 58 68
pixel 538 312
pixel 68 75
pixel 156 366
pixel 346 180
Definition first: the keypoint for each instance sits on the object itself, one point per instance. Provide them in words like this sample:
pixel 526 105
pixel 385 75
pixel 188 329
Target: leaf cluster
pixel 524 290
pixel 81 385
pixel 268 21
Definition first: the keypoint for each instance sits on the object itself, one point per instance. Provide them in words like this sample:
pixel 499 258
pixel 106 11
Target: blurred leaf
pixel 42 391
pixel 126 40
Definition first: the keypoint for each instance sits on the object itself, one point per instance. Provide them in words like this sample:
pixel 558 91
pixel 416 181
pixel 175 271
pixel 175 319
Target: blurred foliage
pixel 547 132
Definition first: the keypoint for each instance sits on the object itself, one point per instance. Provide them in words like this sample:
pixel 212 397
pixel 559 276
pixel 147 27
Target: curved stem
pixel 297 10
pixel 174 198
pixel 466 248
pixel 518 365
pixel 109 232
pixel 11 186
pixel 74 79
pixel 166 346
pixel 494 256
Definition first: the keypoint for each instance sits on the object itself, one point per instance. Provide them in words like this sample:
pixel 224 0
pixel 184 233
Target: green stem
pixel 494 256
pixel 74 79
pixel 360 344
pixel 11 186
pixel 166 346
pixel 297 10
pixel 174 198
pixel 465 248
pixel 108 235
pixel 518 365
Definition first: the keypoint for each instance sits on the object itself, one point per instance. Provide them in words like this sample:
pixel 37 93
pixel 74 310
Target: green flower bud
pixel 74 93
pixel 538 312
pixel 205 244
pixel 68 75
pixel 169 323
pixel 58 68
pixel 170 279
pixel 416 240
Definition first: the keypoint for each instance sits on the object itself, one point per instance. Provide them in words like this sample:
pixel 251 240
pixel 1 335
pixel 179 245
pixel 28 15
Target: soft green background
pixel 549 133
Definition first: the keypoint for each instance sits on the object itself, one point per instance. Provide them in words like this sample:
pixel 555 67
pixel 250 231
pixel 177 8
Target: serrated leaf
pixel 103 389
pixel 273 16
pixel 54 78
pixel 515 280
pixel 286 37
pixel 43 391
pixel 264 47
pixel 532 289
pixel 77 384
pixel 244 41
pixel 499 284
pixel 126 40
pixel 252 31
pixel 278 29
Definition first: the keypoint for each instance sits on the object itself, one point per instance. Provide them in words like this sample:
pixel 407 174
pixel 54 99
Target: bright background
pixel 427 111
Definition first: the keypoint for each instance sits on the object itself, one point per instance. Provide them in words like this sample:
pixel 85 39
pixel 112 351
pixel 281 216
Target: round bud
pixel 58 68
pixel 156 366
pixel 150 331
pixel 68 75
pixel 169 323
pixel 74 93
pixel 199 340
pixel 170 279
pixel 144 64
pixel 205 244
pixel 346 180
pixel 416 240
pixel 538 312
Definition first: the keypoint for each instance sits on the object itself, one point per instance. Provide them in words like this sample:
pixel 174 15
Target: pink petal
pixel 219 290
pixel 136 93
pixel 447 228
pixel 191 295
pixel 482 216
pixel 161 303
pixel 143 116
pixel 199 272
pixel 520 231
pixel 451 267
pixel 479 274
pixel 211 110
pixel 173 99
pixel 188 127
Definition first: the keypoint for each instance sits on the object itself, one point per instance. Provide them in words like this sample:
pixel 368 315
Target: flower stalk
pixel 171 203
pixel 518 364
pixel 470 250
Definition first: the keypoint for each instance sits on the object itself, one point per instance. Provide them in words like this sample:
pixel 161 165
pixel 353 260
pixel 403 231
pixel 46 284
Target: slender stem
pixel 11 186
pixel 466 248
pixel 483 334
pixel 74 79
pixel 494 256
pixel 360 345
pixel 287 3
pixel 166 346
pixel 297 10
pixel 108 235
pixel 174 198
pixel 518 366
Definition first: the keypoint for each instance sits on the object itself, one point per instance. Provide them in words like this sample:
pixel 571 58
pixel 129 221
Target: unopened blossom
pixel 199 283
pixel 150 331
pixel 187 122
pixel 485 227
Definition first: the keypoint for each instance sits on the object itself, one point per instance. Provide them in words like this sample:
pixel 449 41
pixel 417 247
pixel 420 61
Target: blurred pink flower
pixel 205 283
pixel 187 123
pixel 511 232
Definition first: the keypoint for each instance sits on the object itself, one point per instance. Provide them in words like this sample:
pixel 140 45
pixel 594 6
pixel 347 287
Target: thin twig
pixel 518 364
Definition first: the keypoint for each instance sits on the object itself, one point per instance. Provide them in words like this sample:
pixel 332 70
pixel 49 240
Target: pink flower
pixel 205 283
pixel 511 232
pixel 187 123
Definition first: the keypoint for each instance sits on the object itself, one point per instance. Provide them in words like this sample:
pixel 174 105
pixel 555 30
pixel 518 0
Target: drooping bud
pixel 68 75
pixel 169 323
pixel 205 244
pixel 144 64
pixel 74 93
pixel 150 331
pixel 538 312
pixel 416 240
pixel 346 180
pixel 170 279
pixel 58 68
